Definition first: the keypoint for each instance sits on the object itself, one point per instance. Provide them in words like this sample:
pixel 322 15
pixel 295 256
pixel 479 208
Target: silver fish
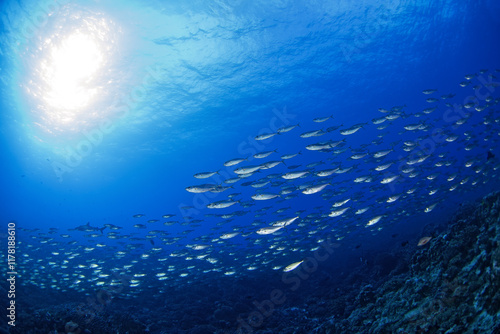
pixel 262 155
pixel 294 175
pixel 314 189
pixel 202 188
pixel 429 91
pixel 339 212
pixel 205 175
pixel 247 169
pixel 322 119
pixel 287 128
pixel 233 162
pixel 265 136
pixel 292 266
pixel 351 130
pixel 221 204
pixel 289 156
pixel 315 133
pixel 269 230
pixel 264 196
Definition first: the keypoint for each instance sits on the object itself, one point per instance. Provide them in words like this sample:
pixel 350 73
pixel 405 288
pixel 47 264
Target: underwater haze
pixel 250 166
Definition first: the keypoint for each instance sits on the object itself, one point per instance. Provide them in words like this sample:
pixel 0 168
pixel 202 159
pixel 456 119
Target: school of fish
pixel 266 213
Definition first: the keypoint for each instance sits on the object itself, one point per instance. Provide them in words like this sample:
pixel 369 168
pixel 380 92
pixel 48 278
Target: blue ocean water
pixel 110 107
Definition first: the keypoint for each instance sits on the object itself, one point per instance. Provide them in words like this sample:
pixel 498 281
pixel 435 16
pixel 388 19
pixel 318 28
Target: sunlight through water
pixel 71 68
pixel 68 80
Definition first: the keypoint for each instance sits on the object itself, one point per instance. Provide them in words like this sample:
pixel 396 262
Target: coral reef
pixel 67 319
pixel 72 328
pixel 453 285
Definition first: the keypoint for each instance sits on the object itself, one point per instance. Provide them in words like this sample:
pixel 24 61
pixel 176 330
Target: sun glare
pixel 71 71
pixel 69 78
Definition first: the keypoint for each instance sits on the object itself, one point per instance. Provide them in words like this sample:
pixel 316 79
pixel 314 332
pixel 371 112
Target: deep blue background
pixel 221 71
